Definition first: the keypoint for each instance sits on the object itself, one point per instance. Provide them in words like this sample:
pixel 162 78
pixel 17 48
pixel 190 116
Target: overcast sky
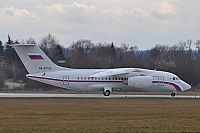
pixel 144 23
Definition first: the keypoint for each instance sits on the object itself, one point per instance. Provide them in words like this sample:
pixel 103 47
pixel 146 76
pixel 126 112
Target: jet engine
pixel 139 81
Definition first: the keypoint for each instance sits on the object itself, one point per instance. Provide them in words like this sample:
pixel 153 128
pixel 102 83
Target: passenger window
pixel 173 78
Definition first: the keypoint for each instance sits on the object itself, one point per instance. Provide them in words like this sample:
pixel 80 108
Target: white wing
pixel 112 72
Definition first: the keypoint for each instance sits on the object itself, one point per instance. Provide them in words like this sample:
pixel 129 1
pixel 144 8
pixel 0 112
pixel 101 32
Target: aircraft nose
pixel 185 86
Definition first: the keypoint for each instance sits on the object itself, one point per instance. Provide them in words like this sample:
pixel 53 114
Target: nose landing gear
pixel 173 94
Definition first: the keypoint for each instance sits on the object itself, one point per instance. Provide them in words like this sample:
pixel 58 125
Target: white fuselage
pixel 78 79
pixel 42 69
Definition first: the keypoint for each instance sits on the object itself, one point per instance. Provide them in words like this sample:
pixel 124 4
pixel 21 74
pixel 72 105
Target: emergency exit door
pixel 160 81
pixel 65 80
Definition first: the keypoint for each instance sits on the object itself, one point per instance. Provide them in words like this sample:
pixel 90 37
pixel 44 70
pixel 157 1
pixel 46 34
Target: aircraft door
pixel 65 80
pixel 160 81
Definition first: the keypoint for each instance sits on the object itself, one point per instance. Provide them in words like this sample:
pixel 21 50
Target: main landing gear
pixel 173 94
pixel 107 91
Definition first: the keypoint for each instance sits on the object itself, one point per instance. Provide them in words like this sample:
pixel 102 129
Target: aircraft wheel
pixel 106 93
pixel 173 94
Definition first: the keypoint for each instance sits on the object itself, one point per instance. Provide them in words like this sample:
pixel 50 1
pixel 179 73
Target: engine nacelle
pixel 139 81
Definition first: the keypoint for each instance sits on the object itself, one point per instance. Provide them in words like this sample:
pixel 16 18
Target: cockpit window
pixel 175 78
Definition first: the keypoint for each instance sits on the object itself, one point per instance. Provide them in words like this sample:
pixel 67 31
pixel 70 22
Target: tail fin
pixel 34 59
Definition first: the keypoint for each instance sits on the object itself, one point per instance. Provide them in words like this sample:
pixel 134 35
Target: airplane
pixel 41 68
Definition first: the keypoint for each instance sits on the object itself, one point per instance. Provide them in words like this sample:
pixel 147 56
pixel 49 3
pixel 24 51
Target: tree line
pixel 179 58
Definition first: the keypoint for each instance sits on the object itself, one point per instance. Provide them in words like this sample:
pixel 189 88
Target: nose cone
pixel 185 86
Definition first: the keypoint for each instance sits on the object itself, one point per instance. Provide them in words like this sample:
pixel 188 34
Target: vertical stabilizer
pixel 34 59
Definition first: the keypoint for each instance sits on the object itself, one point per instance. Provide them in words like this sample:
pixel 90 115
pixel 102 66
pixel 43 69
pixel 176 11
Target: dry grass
pixel 99 115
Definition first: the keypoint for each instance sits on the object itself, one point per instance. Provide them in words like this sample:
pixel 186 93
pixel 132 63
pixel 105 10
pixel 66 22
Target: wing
pixel 112 72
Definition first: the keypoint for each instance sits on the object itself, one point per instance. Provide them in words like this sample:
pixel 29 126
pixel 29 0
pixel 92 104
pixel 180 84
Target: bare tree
pixel 49 45
pixel 30 41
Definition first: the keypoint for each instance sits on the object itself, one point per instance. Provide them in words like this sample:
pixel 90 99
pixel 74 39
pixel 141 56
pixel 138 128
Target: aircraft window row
pixel 175 78
pixel 101 78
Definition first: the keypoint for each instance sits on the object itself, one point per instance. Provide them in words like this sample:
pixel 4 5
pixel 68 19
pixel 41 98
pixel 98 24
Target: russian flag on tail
pixel 35 56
